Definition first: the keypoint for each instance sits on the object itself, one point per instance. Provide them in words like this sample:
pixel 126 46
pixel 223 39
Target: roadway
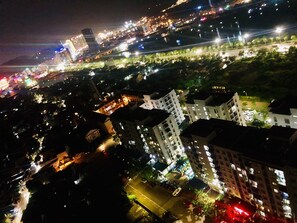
pixel 159 200
pixel 281 47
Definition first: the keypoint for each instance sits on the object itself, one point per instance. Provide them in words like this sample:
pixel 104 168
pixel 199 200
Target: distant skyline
pixel 27 26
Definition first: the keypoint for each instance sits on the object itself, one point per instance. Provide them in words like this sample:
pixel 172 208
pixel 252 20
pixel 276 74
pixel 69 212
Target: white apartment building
pixel 283 112
pixel 255 165
pixel 220 105
pixel 164 100
pixel 152 131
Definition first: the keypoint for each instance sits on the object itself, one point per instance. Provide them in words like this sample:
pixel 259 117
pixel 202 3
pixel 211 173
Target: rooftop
pixel 148 117
pixel 283 105
pixel 217 98
pixel 203 127
pixel 267 145
pixel 159 94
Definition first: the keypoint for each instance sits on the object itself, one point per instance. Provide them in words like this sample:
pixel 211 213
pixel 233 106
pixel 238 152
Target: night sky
pixel 27 26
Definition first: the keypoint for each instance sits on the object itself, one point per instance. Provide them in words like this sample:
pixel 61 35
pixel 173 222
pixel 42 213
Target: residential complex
pixel 164 100
pixel 152 131
pixel 221 105
pixel 283 112
pixel 256 165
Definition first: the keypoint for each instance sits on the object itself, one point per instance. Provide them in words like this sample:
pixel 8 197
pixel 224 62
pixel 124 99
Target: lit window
pixel 233 166
pixel 280 177
pixel 122 127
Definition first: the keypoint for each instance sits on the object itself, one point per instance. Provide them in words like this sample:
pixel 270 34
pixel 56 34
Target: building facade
pixel 255 165
pixel 90 39
pixel 164 100
pixel 152 131
pixel 79 44
pixel 283 112
pixel 69 45
pixel 221 105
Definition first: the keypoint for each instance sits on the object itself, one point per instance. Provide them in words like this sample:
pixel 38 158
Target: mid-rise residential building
pixel 164 100
pixel 253 164
pixel 283 112
pixel 152 131
pixel 220 105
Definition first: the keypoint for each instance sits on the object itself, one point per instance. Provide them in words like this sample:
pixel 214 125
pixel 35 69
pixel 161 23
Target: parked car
pixel 176 191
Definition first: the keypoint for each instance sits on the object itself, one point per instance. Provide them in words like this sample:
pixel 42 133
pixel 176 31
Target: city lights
pixel 172 110
pixel 4 84
pixel 279 30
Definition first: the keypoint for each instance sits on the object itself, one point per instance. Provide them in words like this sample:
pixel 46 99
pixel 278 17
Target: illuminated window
pixel 251 170
pixel 233 166
pixel 206 147
pixel 131 142
pixel 253 183
pixel 280 177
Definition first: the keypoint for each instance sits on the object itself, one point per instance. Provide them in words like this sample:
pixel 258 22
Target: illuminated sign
pixel 240 211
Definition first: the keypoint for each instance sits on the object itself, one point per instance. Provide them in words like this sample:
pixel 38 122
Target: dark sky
pixel 29 25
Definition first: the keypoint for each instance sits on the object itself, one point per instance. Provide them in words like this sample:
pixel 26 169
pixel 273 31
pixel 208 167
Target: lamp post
pixel 278 30
pixel 245 37
pixel 217 41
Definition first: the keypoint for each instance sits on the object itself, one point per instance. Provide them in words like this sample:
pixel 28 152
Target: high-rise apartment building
pixel 90 39
pixel 70 46
pixel 62 56
pixel 256 165
pixel 283 112
pixel 79 43
pixel 152 131
pixel 221 105
pixel 164 100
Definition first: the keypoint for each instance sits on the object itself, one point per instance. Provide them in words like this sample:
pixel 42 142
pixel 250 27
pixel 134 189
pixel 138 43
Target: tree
pixel 264 40
pixel 294 37
pixel 203 201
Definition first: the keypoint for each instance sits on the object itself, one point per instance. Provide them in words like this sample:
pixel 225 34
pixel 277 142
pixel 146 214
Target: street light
pixel 244 37
pixel 279 30
pixel 217 41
